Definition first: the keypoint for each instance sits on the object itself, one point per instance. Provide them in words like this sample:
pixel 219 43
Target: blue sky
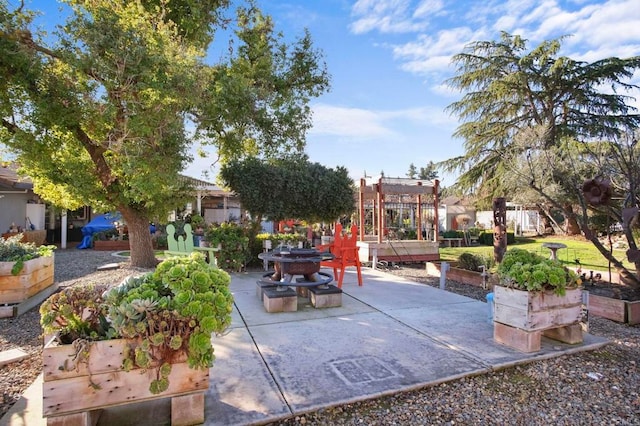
pixel 389 60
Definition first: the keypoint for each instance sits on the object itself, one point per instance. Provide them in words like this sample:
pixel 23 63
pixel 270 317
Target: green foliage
pixel 174 309
pixel 525 270
pixel 12 250
pixel 486 238
pixel 234 245
pixel 102 101
pixel 109 234
pixel 473 262
pixel 452 233
pixel 508 88
pixel 290 188
pixel 75 313
pixel 280 239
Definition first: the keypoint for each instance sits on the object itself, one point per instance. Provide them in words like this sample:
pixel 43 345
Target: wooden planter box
pixel 108 245
pixel 456 274
pixel 522 317
pixel 72 392
pixel 34 281
pixel 617 310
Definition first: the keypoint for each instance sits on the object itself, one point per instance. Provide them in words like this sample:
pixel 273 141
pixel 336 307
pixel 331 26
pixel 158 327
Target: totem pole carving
pixel 499 228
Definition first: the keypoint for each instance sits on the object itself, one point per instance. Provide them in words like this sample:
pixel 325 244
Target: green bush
pixel 234 245
pixel 470 262
pixel 486 238
pixel 452 233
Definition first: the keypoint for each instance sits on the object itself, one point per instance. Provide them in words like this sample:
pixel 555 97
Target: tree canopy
pixel 99 112
pixel 290 188
pixel 508 89
pixel 540 125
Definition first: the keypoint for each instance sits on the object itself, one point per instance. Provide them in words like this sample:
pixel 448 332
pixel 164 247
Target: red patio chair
pixel 345 252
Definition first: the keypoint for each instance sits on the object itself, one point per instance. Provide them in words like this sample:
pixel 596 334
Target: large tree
pixel 545 122
pixel 290 188
pixel 98 112
pixel 508 88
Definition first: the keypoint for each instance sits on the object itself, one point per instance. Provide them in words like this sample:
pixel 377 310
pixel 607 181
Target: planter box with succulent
pixel 26 271
pixel 157 326
pixel 536 296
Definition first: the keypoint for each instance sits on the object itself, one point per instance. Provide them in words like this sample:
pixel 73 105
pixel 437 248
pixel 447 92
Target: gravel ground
pixel 597 387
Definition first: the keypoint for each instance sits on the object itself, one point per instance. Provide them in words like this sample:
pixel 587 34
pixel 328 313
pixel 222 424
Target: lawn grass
pixel 577 248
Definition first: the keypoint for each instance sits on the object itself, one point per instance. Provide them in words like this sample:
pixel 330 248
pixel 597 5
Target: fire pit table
pixel 274 288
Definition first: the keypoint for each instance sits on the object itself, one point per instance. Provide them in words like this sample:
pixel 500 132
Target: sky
pixel 389 61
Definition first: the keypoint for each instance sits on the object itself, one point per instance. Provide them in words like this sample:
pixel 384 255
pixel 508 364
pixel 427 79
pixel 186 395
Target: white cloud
pixel 361 124
pixel 351 123
pixel 608 28
pixel 392 16
pixel 429 54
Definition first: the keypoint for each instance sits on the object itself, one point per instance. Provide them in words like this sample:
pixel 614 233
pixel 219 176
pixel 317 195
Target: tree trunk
pixel 140 242
pixel 572 227
pixel 547 220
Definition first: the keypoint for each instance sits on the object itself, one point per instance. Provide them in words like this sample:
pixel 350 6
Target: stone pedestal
pixel 280 301
pixel 261 286
pixel 329 297
pixel 530 341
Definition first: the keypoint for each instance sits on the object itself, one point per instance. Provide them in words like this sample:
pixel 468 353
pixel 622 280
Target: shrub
pixel 486 238
pixel 473 262
pixel 234 245
pixel 452 233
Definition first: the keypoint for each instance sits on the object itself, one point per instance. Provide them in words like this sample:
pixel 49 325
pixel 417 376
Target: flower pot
pixel 98 381
pixel 522 317
pixel 36 275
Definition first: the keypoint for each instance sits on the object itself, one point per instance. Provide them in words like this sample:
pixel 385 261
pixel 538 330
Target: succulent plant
pixel 525 270
pixel 172 310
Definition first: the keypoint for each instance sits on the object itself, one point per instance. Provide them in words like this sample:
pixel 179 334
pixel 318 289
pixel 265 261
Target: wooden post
pixel 381 212
pixel 499 228
pixel 361 215
pixel 436 220
pixel 419 214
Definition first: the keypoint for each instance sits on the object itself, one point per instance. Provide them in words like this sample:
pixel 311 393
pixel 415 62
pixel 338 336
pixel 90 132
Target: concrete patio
pixel 388 336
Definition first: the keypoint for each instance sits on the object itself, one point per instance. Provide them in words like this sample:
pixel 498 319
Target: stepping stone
pixel 108 267
pixel 12 355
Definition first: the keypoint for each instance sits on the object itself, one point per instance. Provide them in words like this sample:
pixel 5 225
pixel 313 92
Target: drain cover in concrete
pixel 362 370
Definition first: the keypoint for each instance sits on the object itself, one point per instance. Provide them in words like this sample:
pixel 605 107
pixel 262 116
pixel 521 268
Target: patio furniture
pixel 345 251
pixel 183 245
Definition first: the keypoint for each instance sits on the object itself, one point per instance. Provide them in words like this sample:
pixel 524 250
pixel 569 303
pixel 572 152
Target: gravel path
pixel 593 388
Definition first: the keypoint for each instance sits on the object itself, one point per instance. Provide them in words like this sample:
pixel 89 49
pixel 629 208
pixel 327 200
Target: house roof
pixel 9 178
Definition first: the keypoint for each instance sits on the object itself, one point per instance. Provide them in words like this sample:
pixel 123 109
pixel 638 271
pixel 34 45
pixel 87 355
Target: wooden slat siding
pixel 104 356
pixel 606 307
pixel 117 388
pixel 544 312
pixel 389 189
pixel 17 288
pixel 28 267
